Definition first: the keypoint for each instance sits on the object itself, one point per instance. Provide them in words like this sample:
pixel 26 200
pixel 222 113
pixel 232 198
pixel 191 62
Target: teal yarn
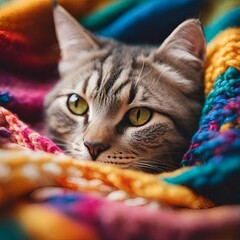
pixel 230 19
pixel 215 148
pixel 221 107
pixel 107 15
pixel 224 85
pixel 217 180
pixel 11 229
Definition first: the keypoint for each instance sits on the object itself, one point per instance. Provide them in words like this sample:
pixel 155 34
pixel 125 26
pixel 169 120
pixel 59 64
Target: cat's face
pixel 132 107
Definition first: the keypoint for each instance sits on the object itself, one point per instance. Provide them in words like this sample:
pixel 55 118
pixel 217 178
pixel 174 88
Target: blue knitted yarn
pixel 216 145
pixel 225 87
pixel 218 131
pixel 4 98
pixel 12 229
pixel 162 17
pixel 229 19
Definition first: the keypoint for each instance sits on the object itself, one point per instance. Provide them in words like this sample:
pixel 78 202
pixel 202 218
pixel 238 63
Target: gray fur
pixel 113 78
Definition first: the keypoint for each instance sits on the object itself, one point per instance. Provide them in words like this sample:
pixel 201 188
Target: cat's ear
pixel 185 43
pixel 71 36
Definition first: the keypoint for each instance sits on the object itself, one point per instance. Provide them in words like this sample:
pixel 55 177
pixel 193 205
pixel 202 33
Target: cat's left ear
pixel 186 43
pixel 71 36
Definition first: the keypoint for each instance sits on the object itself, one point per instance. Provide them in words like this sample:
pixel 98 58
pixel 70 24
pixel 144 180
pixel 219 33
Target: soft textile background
pixel 28 69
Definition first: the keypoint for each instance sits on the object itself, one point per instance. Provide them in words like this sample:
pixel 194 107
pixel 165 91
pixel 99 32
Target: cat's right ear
pixel 71 36
pixel 186 44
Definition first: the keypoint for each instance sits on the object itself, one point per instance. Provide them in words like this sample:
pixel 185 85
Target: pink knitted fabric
pixel 13 130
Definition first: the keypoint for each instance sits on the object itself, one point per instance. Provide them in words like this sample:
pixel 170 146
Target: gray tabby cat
pixel 129 106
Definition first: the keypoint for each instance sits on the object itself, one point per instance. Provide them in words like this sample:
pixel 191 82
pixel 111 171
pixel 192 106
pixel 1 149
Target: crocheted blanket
pixel 42 189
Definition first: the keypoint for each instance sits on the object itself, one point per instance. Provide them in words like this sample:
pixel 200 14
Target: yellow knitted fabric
pixel 25 171
pixel 223 52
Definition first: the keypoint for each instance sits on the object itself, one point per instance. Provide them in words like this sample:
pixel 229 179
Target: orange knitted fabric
pixel 33 19
pixel 27 170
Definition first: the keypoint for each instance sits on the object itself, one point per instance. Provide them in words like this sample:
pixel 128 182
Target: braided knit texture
pixel 219 131
pixel 216 144
pixel 45 194
pixel 219 126
pixel 223 52
pixel 15 133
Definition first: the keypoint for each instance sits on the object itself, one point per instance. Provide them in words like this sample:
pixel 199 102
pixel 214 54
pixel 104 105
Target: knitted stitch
pixel 12 130
pixel 70 173
pixel 216 145
pixel 28 174
pixel 222 53
pixel 219 127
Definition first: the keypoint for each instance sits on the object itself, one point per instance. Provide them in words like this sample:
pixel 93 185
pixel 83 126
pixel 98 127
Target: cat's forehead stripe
pixel 132 94
pixel 107 66
pixel 121 86
pixel 115 71
pixel 91 83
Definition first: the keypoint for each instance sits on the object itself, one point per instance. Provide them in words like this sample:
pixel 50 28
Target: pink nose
pixel 95 148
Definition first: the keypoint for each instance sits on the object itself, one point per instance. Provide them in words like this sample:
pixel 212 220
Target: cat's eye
pixel 139 116
pixel 76 104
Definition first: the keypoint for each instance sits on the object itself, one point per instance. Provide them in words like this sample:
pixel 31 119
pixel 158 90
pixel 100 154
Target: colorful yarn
pixel 229 19
pixel 133 25
pixel 223 52
pixel 219 126
pixel 73 215
pixel 107 15
pixel 216 145
pixel 12 130
pixel 33 19
pixel 92 177
pixel 217 180
pixel 4 98
pixel 90 199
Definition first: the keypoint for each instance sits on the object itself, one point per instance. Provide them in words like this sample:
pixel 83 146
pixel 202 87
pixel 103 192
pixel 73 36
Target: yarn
pixel 220 120
pixel 215 147
pixel 223 52
pixel 27 168
pixel 14 131
pixel 64 171
pixel 4 98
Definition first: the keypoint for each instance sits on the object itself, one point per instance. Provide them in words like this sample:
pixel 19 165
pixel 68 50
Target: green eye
pixel 139 116
pixel 77 105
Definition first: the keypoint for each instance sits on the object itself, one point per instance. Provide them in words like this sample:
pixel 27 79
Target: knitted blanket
pixel 42 189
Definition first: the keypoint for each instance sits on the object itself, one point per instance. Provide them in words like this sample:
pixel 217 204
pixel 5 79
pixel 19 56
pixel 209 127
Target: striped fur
pixel 114 78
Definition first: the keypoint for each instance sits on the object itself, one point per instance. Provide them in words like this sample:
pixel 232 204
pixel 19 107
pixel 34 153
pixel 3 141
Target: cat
pixel 129 106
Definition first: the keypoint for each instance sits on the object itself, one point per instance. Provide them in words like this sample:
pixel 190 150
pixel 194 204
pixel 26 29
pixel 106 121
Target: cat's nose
pixel 95 148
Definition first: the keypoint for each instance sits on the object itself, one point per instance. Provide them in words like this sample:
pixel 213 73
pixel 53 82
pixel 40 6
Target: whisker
pixel 139 76
pixel 143 76
pixel 146 166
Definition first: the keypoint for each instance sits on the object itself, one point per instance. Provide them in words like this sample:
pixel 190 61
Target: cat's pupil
pixel 138 114
pixel 76 101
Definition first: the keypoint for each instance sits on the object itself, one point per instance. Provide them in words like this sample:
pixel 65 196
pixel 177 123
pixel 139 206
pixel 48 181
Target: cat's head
pixel 133 107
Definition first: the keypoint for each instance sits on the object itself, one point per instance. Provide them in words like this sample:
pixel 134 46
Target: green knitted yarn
pixel 224 85
pixel 218 182
pixel 216 145
pixel 230 19
pixel 108 14
pixel 11 229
